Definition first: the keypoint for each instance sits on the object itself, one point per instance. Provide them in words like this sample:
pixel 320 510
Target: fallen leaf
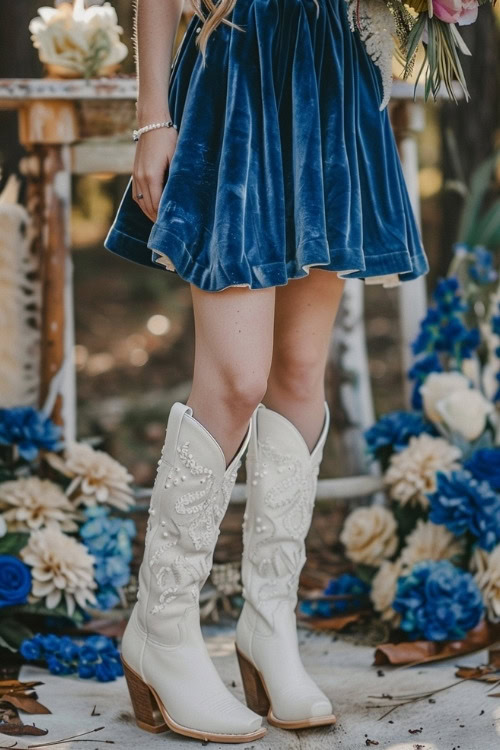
pixel 494 656
pixel 25 703
pixel 484 673
pixel 493 695
pixel 419 652
pixel 368 742
pixel 15 729
pixel 331 623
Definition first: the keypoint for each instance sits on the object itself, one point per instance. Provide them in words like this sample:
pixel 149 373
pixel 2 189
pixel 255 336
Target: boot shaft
pixel 281 489
pixel 190 497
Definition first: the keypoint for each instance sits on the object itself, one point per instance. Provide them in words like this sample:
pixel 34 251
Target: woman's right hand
pixel 153 156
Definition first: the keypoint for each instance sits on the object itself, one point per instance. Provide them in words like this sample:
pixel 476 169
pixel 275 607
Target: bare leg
pixel 305 313
pixel 233 351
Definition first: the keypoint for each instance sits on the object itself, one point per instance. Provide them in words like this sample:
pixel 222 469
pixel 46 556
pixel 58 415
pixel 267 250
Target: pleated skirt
pixel 283 161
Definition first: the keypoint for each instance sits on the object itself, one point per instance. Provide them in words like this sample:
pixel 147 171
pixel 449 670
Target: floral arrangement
pixel 430 558
pixel 62 552
pixel 74 40
pixel 93 657
pixel 413 23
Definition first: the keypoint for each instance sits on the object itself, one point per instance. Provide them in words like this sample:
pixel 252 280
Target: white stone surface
pixel 462 718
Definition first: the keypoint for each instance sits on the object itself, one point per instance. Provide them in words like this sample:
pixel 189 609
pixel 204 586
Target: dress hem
pixel 391 267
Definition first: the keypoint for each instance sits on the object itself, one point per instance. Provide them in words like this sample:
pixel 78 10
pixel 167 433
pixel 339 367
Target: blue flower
pixel 30 430
pixel 394 430
pixel 97 656
pixel 484 463
pixel 345 585
pixel 481 269
pixel 109 539
pixel 438 601
pixel 462 503
pixel 443 329
pixel 15 581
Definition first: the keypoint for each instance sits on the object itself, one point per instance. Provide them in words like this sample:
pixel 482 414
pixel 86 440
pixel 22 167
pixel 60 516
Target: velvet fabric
pixel 283 160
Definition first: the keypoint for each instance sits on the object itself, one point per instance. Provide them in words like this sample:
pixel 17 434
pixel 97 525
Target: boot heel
pixel 147 713
pixel 255 694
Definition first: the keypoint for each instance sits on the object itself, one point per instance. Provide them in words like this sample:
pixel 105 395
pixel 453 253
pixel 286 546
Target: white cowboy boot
pixel 281 488
pixel 171 679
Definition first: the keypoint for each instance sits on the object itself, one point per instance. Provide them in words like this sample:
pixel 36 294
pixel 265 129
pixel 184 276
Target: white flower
pixel 60 567
pixel 412 471
pixel 369 535
pixel 439 385
pixel 465 412
pixel 383 591
pixel 97 478
pixel 487 569
pixel 81 39
pixel 3 526
pixel 430 541
pixel 32 503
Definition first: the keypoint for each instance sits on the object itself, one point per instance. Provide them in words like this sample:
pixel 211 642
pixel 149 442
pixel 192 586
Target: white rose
pixel 369 535
pixel 465 412
pixel 439 385
pixel 3 526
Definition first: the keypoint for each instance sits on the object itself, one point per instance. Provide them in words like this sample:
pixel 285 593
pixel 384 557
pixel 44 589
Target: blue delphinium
pixel 30 430
pixel 109 540
pixel 438 601
pixel 15 581
pixel 481 268
pixel 394 431
pixel 345 585
pixel 419 372
pixel 463 503
pixel 443 329
pixel 96 656
pixel 484 463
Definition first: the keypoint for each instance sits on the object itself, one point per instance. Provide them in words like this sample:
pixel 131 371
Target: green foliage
pixel 13 633
pixel 12 543
pixel 479 226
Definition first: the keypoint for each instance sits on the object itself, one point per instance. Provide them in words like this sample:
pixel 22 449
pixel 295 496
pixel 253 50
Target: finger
pixel 156 190
pixel 141 189
pixel 148 203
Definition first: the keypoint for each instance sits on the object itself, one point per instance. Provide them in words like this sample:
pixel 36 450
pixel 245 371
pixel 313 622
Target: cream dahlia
pixel 29 504
pixel 487 569
pixel 369 535
pixel 97 478
pixel 430 541
pixel 61 568
pixel 383 591
pixel 412 471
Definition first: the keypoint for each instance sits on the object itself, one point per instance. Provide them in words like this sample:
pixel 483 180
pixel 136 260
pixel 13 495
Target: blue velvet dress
pixel 283 160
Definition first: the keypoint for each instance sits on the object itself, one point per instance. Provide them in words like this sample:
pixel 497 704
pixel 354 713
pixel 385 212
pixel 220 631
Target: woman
pixel 264 174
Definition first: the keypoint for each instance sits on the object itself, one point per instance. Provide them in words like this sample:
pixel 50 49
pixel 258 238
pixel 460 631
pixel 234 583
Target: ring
pixel 139 196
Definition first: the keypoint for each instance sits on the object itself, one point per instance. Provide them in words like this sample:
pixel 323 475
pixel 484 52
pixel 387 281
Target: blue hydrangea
pixel 30 430
pixel 345 585
pixel 394 430
pixel 465 504
pixel 484 464
pixel 419 372
pixel 95 657
pixel 443 329
pixel 109 540
pixel 438 601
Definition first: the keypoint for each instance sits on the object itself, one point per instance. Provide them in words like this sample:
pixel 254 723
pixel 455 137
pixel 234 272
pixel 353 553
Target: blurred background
pixel 134 328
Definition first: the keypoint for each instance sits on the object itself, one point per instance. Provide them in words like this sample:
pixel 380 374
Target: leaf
pixel 483 674
pixel 13 633
pixel 12 543
pixel 479 184
pixel 14 729
pixel 332 623
pixel 420 652
pixel 25 703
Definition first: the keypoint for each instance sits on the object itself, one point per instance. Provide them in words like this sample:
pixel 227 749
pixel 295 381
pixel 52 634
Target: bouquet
pixel 62 551
pixel 411 23
pixel 431 557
